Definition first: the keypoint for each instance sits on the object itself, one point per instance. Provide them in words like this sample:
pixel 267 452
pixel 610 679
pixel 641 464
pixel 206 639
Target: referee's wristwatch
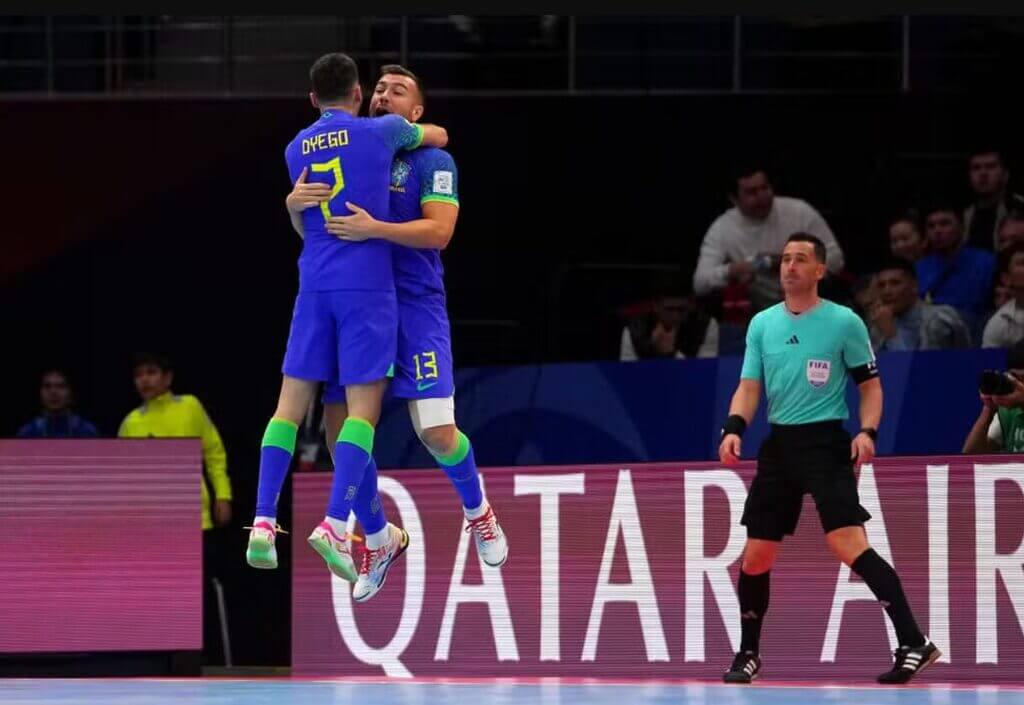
pixel 872 433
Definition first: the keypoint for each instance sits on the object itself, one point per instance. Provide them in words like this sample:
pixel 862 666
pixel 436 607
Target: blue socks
pixel 275 459
pixel 460 467
pixel 367 505
pixel 352 454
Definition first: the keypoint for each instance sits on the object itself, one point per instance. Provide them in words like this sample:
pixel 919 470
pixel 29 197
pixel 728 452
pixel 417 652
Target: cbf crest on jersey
pixel 399 174
pixel 818 372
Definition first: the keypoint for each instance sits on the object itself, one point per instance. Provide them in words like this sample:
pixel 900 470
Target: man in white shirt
pixel 1006 326
pixel 744 244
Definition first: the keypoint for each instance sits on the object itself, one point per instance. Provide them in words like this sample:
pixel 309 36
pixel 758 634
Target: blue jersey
pixel 418 177
pixel 353 155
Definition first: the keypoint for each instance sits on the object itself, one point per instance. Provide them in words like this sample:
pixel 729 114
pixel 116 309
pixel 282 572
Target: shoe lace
pixel 899 656
pixel 485 526
pixel 370 556
pixel 278 529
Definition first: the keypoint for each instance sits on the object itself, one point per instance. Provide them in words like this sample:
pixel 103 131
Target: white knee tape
pixel 430 413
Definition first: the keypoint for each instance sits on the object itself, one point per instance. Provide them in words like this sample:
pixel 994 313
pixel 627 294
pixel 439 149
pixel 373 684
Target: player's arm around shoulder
pixel 439 195
pixel 402 134
pixel 434 136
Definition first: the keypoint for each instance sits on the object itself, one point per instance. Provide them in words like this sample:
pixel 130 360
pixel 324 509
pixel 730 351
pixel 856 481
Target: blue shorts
pixel 349 337
pixel 423 363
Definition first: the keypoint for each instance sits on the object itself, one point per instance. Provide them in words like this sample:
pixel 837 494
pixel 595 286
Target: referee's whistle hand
pixel 729 449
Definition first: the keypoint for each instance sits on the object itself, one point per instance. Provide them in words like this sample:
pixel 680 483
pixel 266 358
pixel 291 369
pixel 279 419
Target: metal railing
pixel 134 55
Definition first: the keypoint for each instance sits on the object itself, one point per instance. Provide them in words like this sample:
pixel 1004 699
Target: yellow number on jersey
pixel 333 166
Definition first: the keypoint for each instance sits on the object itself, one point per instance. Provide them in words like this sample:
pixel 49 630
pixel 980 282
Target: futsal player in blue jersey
pixel 344 324
pixel 424 210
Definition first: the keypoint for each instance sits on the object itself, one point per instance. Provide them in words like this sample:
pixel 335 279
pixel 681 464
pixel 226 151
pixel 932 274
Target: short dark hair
pixel 819 247
pixel 152 358
pixel 333 77
pixel 908 215
pixel 665 284
pixel 400 70
pixel 55 370
pixel 980 149
pixel 1005 256
pixel 741 169
pixel 943 206
pixel 904 265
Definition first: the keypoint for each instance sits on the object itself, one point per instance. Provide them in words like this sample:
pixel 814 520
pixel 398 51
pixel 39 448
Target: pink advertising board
pixel 624 571
pixel 102 545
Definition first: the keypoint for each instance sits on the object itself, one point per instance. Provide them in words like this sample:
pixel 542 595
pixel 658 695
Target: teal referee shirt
pixel 804 359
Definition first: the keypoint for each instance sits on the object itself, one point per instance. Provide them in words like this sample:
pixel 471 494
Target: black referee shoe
pixel 745 668
pixel 908 662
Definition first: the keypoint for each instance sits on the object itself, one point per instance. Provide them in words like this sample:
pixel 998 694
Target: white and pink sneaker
pixel 335 550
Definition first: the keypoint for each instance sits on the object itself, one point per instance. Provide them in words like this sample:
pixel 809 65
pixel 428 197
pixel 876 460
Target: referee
pixel 804 348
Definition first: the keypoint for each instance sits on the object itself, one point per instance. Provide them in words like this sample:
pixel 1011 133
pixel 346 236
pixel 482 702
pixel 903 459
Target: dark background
pixel 136 221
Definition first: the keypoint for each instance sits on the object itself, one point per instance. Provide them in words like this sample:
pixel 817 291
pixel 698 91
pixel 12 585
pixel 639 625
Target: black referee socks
pixel 886 586
pixel 753 594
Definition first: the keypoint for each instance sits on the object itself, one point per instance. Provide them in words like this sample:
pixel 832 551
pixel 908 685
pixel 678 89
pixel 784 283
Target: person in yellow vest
pixel 164 414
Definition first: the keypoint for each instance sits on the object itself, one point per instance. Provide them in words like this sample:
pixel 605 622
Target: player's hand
pixel 729 449
pixel 862 449
pixel 988 402
pixel 356 227
pixel 304 194
pixel 222 512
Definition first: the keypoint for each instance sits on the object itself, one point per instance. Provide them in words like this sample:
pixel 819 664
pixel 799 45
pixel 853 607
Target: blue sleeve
pixel 27 431
pixel 753 363
pixel 439 179
pixel 398 133
pixel 89 430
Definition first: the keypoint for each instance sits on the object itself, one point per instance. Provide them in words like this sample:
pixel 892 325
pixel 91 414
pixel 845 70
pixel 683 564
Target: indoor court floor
pixel 513 691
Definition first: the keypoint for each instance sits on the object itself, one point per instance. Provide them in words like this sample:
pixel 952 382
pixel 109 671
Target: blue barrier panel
pixel 662 410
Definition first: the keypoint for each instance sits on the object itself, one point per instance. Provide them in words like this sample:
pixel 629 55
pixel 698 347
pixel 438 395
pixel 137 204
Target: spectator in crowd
pixel 1000 425
pixel 745 243
pixel 906 238
pixel 865 296
pixel 900 320
pixel 993 201
pixel 741 250
pixel 677 326
pixel 1011 230
pixel 955 273
pixel 57 420
pixel 164 414
pixel 1001 291
pixel 1006 326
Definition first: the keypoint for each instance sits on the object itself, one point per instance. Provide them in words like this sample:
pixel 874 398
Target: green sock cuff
pixel 457 455
pixel 281 434
pixel 358 432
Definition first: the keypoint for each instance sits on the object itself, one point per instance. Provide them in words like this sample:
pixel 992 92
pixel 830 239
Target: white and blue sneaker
pixel 377 562
pixel 491 543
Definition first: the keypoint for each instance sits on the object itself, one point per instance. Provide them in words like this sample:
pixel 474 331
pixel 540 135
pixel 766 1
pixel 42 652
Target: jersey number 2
pixel 333 166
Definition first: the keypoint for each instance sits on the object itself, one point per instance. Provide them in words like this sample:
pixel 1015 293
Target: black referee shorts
pixel 795 460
